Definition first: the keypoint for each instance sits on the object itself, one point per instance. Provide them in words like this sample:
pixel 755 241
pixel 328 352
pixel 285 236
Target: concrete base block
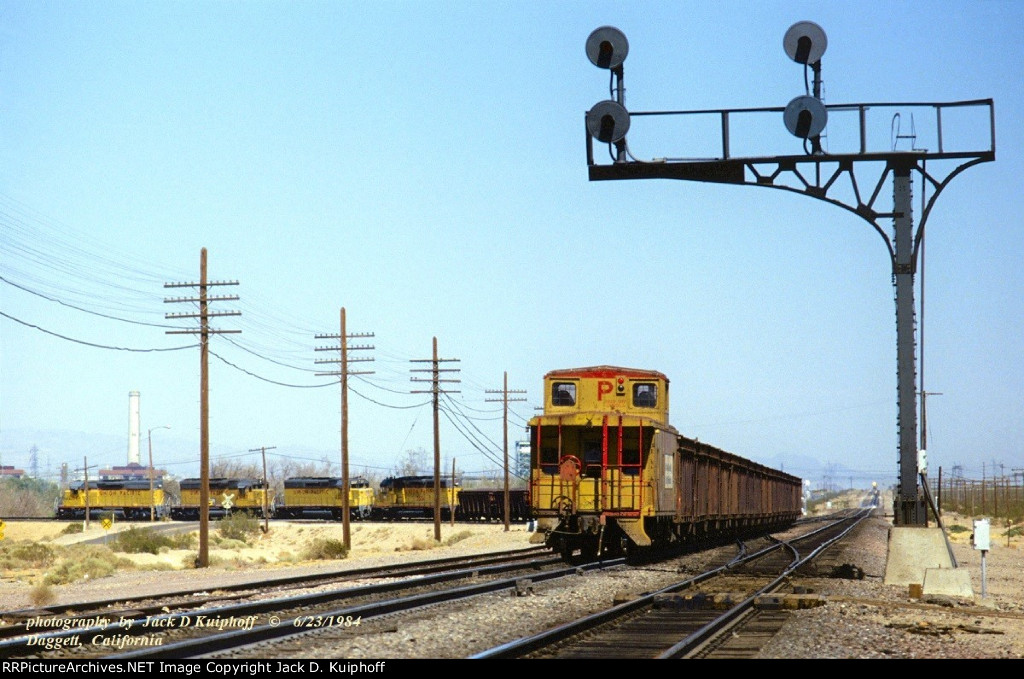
pixel 955 582
pixel 912 551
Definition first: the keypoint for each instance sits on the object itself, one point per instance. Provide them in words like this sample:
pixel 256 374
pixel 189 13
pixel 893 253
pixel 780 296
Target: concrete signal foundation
pixel 918 555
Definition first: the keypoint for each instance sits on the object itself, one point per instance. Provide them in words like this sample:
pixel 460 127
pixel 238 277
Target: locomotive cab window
pixel 563 394
pixel 645 395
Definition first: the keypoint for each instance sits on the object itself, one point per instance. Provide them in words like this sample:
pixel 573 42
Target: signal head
pixel 805 42
pixel 607 47
pixel 805 117
pixel 608 121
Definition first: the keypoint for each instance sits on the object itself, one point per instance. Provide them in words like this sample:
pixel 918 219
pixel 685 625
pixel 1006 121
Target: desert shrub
pixel 231 543
pixel 26 555
pixel 141 540
pixel 86 562
pixel 325 548
pixel 72 528
pixel 422 544
pixel 239 526
pixel 958 529
pixel 458 537
pixel 186 540
pixel 41 595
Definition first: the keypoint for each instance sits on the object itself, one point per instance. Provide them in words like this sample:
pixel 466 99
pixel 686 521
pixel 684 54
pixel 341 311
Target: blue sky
pixel 423 165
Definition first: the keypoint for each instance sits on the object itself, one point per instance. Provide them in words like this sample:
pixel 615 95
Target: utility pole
pixel 204 332
pixel 504 391
pixel 266 485
pixel 343 348
pixel 435 380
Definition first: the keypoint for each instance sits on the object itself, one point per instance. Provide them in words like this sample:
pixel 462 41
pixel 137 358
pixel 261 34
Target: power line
pixel 92 344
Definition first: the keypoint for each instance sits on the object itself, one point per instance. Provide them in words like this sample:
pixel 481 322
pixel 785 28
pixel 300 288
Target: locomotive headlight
pixel 620 386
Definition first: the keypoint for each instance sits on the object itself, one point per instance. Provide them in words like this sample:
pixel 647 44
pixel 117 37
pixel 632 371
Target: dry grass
pixel 23 555
pixel 86 562
pixel 419 544
pixel 458 537
pixel 41 594
pixel 325 548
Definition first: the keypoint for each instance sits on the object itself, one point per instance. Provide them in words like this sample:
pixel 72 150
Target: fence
pixel 1001 497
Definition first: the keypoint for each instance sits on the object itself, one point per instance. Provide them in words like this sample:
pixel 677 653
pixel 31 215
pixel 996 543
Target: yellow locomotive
pixel 124 499
pixel 610 475
pixel 413 496
pixel 227 495
pixel 321 496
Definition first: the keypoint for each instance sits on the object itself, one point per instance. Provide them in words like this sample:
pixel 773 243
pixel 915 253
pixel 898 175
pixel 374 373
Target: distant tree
pixel 28 497
pixel 284 468
pixel 235 469
pixel 172 491
pixel 373 477
pixel 413 463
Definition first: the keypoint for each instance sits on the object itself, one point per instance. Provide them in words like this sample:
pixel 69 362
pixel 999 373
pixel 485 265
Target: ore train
pixel 609 475
pixel 303 497
pixel 413 497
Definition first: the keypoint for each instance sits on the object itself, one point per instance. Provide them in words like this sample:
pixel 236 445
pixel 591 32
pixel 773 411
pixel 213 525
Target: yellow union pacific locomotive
pixel 131 499
pixel 610 475
pixel 316 496
pixel 227 495
pixel 413 496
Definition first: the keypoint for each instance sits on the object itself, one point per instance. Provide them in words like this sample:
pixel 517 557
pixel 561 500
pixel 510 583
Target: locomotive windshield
pixel 563 394
pixel 645 394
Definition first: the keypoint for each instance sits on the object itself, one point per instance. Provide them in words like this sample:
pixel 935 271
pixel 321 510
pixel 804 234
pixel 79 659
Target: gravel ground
pixel 861 618
pixel 868 619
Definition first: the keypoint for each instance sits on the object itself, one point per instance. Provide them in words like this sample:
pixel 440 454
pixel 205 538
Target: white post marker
pixel 980 540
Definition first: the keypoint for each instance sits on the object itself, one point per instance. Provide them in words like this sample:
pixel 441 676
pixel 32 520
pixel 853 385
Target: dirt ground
pixel 282 550
pixel 284 543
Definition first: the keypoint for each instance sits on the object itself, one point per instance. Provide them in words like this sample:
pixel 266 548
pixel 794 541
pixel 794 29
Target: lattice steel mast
pixel 820 174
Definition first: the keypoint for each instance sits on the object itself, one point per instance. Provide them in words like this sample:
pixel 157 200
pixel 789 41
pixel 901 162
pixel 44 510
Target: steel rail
pixel 172 620
pixel 520 647
pixel 288 626
pixel 702 635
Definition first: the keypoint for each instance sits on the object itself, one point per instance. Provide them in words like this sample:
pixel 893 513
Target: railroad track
pixel 726 611
pixel 299 616
pixel 114 614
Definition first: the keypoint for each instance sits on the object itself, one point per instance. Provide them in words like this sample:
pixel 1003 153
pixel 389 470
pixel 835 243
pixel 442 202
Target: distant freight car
pixel 323 497
pixel 610 475
pixel 227 495
pixel 126 500
pixel 488 504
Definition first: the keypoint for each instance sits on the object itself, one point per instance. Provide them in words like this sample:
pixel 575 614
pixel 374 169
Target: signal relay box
pixel 980 538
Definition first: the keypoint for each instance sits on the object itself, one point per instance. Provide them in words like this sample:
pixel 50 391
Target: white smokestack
pixel 133 427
